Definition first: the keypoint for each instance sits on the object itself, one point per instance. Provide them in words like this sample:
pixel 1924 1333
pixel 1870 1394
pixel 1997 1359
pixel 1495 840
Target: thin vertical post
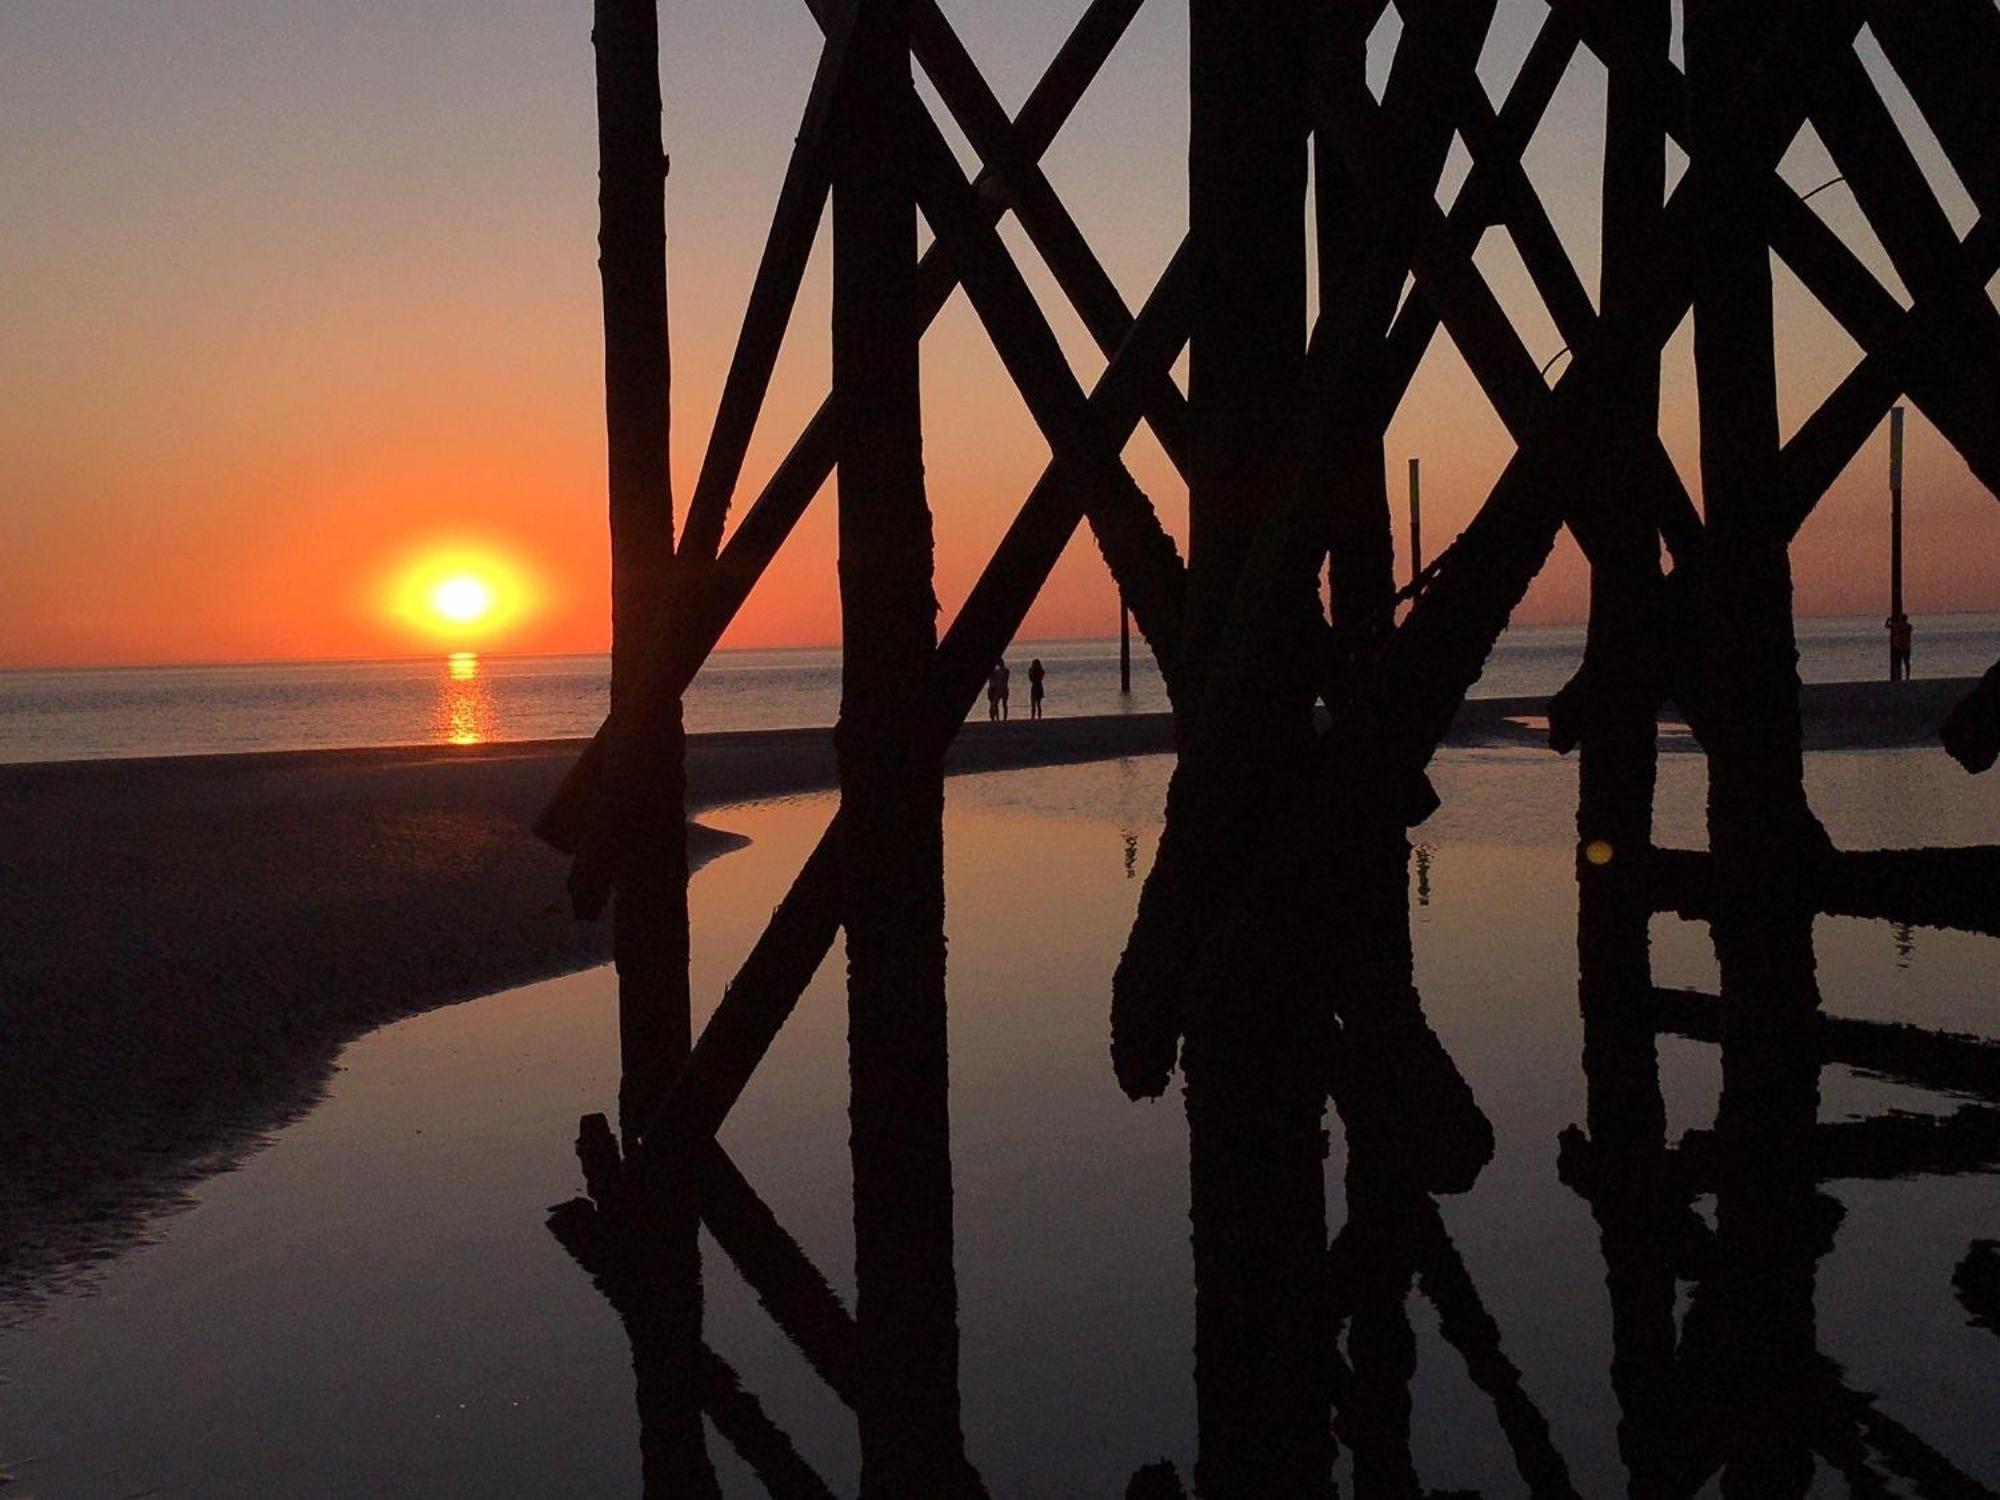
pixel 1416 524
pixel 1124 646
pixel 650 920
pixel 892 791
pixel 1898 621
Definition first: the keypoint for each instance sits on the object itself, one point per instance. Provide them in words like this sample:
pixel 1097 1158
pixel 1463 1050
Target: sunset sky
pixel 302 298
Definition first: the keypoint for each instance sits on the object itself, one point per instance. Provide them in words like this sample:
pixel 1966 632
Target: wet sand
pixel 186 944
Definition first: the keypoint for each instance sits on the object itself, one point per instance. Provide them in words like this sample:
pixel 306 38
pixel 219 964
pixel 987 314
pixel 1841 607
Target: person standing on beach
pixel 1901 638
pixel 996 691
pixel 1035 676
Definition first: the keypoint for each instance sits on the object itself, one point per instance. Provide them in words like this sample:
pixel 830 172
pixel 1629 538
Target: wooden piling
pixel 1618 736
pixel 649 862
pixel 892 793
pixel 1246 217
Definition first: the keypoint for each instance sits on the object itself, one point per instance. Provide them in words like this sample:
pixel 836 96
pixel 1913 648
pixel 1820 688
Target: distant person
pixel 1901 637
pixel 1035 676
pixel 996 691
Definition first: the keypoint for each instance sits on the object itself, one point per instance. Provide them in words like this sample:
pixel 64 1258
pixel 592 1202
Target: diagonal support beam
pixel 801 204
pixel 578 814
pixel 1838 279
pixel 1141 555
pixel 1957 385
pixel 1899 346
pixel 1038 210
pixel 788 1285
pixel 765 990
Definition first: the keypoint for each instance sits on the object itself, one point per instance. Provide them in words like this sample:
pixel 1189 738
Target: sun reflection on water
pixel 465 702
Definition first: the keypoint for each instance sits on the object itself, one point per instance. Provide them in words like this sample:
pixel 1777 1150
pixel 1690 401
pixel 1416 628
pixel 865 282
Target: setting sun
pixel 465 595
pixel 462 597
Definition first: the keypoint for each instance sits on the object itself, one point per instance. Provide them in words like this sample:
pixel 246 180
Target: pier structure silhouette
pixel 1269 965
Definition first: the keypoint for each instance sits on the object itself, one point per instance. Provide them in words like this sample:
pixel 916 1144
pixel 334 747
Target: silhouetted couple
pixel 996 689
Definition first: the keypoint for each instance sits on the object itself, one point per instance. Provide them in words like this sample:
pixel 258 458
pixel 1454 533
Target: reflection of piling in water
pixel 641 1250
pixel 1742 1388
pixel 1272 933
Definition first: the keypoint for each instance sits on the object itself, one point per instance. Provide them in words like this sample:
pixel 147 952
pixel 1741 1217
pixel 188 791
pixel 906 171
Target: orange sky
pixel 307 292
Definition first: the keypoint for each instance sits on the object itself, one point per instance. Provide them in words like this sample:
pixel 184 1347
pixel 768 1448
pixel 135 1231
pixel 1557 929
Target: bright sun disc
pixel 462 598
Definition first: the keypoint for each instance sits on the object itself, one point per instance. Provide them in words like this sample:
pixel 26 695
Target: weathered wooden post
pixel 1347 456
pixel 1254 1100
pixel 1619 733
pixel 1760 827
pixel 650 920
pixel 892 789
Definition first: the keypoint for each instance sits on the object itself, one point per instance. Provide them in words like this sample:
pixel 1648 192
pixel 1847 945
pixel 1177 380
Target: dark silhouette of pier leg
pixel 892 796
pixel 1360 555
pixel 1760 829
pixel 1631 1195
pixel 1617 763
pixel 650 932
pixel 1752 1333
pixel 1618 737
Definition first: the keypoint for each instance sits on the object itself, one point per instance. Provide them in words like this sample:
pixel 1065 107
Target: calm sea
pixel 466 699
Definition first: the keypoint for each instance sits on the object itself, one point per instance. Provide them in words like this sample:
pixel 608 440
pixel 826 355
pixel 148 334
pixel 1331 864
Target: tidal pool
pixel 372 1305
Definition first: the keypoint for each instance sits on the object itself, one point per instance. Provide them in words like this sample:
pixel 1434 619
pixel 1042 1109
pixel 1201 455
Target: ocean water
pixel 373 1306
pixel 468 699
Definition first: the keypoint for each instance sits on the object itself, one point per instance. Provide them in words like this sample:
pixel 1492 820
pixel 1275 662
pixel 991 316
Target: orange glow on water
pixel 465 714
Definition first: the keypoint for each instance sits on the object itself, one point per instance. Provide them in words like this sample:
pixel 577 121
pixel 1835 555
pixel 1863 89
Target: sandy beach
pixel 187 943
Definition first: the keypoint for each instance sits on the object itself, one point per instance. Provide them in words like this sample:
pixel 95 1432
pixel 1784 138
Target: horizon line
pixel 200 663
